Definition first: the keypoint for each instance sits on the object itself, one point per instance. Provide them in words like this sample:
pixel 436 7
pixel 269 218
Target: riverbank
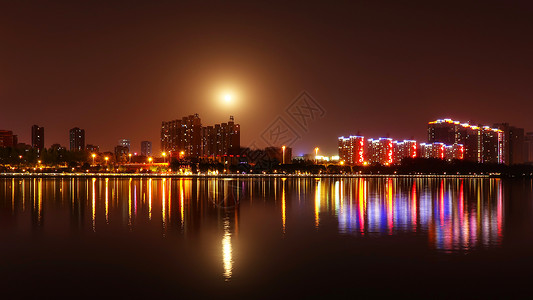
pixel 173 175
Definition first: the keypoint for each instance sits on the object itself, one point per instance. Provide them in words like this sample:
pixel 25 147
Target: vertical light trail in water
pixel 362 208
pixel 182 202
pixel 499 208
pixel 338 208
pixel 107 200
pixel 129 203
pixel 283 205
pixel 150 198
pixel 414 214
pixel 390 208
pixel 227 251
pixel 164 204
pixel 317 202
pixel 39 199
pixel 135 201
pixel 12 195
pixel 23 195
pixel 94 204
pixel 170 200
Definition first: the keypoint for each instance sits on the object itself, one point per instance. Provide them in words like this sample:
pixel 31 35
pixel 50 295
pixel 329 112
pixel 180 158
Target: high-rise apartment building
pixel 37 137
pixel 352 150
pixel 77 139
pixel 8 139
pixel 189 136
pixel 481 144
pixel 380 151
pixel 146 148
pixel 513 141
pixel 356 150
pixel 183 135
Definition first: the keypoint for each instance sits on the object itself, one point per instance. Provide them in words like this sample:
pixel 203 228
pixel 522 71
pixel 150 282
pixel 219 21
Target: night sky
pixel 376 67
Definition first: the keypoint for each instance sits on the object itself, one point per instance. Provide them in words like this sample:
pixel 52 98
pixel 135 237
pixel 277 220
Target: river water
pixel 266 238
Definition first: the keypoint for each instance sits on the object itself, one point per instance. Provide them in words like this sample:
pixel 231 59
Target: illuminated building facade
pixel 77 139
pixel 8 139
pixel 441 151
pixel 37 137
pixel 403 149
pixel 528 147
pixel 352 150
pixel 188 135
pixel 356 150
pixel 380 151
pixel 481 144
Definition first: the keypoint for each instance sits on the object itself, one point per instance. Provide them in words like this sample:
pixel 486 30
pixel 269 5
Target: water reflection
pixel 453 214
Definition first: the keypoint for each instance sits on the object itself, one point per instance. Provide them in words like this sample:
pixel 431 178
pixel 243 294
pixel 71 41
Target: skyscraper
pixel 37 137
pixel 146 148
pixel 77 139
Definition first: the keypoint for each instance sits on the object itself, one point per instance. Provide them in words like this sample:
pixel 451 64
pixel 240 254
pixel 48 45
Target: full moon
pixel 228 98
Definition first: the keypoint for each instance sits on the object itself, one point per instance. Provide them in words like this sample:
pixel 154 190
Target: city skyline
pixel 364 63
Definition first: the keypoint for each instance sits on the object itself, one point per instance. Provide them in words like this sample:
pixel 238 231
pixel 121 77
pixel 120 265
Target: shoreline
pixel 164 175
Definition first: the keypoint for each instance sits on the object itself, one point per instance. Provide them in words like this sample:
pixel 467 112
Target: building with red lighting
pixel 480 144
pixel 380 151
pixel 403 149
pixel 352 150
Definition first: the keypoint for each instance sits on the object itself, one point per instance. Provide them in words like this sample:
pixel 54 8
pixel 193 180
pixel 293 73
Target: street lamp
pixel 129 155
pixel 106 159
pixel 93 155
pixel 150 159
pixel 316 155
pixel 164 157
pixel 283 159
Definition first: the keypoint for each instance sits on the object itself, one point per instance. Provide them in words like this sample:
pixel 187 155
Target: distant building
pixel 481 143
pixel 37 137
pixel 221 139
pixel 92 148
pixel 528 147
pixel 380 151
pixel 77 139
pixel 125 143
pixel 121 153
pixel 513 141
pixel 146 148
pixel 188 136
pixel 8 139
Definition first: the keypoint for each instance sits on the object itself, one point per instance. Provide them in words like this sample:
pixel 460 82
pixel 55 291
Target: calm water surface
pixel 302 238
